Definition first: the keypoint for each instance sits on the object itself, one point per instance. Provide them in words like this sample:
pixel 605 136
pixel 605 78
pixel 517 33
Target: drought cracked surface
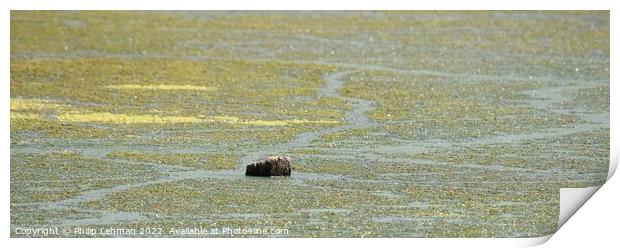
pixel 400 124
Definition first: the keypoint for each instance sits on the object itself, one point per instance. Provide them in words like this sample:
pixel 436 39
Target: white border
pixel 312 4
pixel 603 203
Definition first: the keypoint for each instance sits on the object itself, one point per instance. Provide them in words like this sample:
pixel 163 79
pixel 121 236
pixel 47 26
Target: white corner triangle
pixel 571 199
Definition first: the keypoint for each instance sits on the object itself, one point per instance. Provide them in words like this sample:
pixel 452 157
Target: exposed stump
pixel 272 166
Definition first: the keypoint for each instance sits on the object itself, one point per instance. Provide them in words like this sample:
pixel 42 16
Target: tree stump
pixel 272 166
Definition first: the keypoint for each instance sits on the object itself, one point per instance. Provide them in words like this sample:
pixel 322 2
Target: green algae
pixel 427 107
pixel 595 99
pixel 202 161
pixel 346 206
pixel 440 78
pixel 100 103
pixel 61 175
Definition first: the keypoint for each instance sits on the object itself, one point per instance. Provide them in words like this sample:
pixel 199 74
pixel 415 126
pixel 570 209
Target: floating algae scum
pixel 399 124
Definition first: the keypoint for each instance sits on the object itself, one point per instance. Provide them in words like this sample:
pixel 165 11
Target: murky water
pixel 435 125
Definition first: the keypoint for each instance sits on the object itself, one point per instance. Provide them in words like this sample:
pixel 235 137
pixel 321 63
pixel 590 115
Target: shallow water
pixel 399 124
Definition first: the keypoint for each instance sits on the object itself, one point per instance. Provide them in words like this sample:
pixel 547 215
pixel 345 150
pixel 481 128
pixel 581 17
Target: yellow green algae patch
pixel 159 87
pixel 22 116
pixel 19 104
pixel 111 118
pixel 39 115
pixel 124 119
pixel 73 115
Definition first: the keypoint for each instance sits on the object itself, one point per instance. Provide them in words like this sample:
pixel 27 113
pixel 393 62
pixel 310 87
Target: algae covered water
pixel 398 123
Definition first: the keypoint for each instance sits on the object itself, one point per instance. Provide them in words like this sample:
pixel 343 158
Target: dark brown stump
pixel 272 166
